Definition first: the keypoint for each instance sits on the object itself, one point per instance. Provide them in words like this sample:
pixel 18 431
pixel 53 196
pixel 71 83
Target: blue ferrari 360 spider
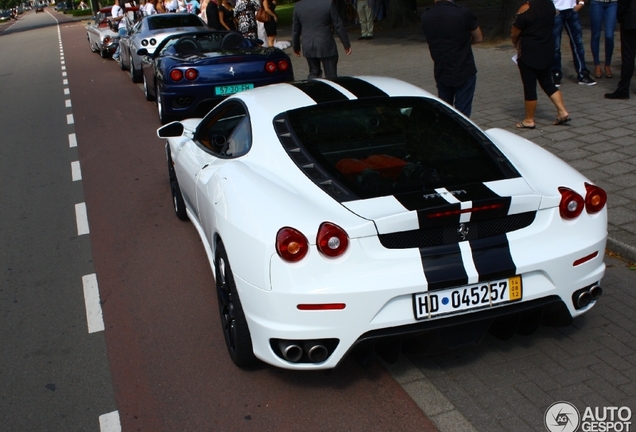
pixel 189 73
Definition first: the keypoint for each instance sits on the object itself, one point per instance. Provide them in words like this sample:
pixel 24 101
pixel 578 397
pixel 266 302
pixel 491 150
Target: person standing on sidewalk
pixel 365 15
pixel 450 31
pixel 626 15
pixel 314 20
pixel 118 16
pixel 532 36
pixel 568 16
pixel 602 14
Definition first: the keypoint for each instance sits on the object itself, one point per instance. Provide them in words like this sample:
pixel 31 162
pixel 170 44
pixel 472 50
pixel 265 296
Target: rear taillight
pixel 291 244
pixel 176 75
pixel 144 42
pixel 595 198
pixel 283 65
pixel 191 74
pixel 153 41
pixel 571 204
pixel 332 240
pixel 270 66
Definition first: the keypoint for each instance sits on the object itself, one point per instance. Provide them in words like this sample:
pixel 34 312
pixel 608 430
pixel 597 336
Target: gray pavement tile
pixel 571 392
pixel 542 378
pixel 595 400
pixel 616 132
pixel 534 393
pixel 607 390
pixel 621 215
pixel 518 425
pixel 627 180
pixel 618 168
pixel 607 158
pixel 629 389
pixel 593 138
pixel 627 142
pixel 613 344
pixel 610 374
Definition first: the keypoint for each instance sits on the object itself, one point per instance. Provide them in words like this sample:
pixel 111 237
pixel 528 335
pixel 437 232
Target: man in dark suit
pixel 314 19
pixel 626 16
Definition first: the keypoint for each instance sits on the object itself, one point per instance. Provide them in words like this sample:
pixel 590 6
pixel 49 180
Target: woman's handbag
pixel 262 15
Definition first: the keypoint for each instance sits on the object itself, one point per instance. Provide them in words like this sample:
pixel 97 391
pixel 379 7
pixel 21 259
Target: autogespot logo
pixel 562 417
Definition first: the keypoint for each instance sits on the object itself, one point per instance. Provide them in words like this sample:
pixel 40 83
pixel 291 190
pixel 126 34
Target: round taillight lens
pixel 270 66
pixel 595 198
pixel 144 42
pixel 332 240
pixel 291 244
pixel 571 204
pixel 283 65
pixel 107 40
pixel 191 74
pixel 176 75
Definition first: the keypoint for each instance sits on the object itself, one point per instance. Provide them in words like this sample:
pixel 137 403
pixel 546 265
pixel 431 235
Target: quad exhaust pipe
pixel 303 351
pixel 584 297
pixel 290 351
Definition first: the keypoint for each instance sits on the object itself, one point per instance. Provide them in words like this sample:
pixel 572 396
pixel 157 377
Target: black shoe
pixel 362 38
pixel 556 78
pixel 369 37
pixel 617 95
pixel 586 79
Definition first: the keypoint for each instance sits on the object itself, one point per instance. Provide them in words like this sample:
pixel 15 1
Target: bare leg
pixel 531 107
pixel 557 100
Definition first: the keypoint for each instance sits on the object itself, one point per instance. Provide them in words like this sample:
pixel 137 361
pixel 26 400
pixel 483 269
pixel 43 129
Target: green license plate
pixel 231 89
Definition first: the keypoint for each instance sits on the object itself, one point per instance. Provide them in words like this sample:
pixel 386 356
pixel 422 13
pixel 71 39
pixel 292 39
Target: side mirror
pixel 171 130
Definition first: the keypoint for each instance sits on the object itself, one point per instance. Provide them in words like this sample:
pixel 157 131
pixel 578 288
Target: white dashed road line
pixel 109 422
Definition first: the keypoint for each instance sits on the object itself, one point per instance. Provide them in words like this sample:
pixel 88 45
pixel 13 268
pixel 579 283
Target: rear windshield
pixel 163 21
pixel 387 145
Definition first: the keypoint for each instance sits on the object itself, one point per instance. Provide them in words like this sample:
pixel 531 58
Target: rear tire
pixel 233 323
pixel 135 75
pixel 178 202
pixel 147 94
pixel 91 46
pixel 161 109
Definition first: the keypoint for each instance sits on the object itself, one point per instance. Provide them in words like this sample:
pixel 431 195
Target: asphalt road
pixel 54 374
pixel 162 341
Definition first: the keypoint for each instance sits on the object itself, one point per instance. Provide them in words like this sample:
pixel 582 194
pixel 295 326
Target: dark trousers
pixel 329 64
pixel 530 76
pixel 628 56
pixel 461 97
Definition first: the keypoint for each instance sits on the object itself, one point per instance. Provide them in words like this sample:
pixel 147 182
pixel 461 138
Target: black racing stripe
pixel 319 91
pixel 362 89
pixel 492 258
pixel 443 267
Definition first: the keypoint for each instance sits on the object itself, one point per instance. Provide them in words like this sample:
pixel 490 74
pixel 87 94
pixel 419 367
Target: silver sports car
pixel 149 32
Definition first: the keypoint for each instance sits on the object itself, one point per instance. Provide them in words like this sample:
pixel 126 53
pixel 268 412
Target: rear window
pixel 163 21
pixel 384 146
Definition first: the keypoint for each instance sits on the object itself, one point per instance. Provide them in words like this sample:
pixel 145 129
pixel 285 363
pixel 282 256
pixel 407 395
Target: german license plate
pixel 231 89
pixel 481 295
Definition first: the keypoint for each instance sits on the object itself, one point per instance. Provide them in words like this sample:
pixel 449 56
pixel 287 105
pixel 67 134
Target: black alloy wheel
pixel 233 322
pixel 177 197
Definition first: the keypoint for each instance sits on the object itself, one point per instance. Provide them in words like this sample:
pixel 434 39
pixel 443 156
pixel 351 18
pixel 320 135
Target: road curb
pixel 437 407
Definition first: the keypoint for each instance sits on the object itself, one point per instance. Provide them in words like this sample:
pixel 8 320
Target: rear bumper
pixel 191 100
pixel 377 286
